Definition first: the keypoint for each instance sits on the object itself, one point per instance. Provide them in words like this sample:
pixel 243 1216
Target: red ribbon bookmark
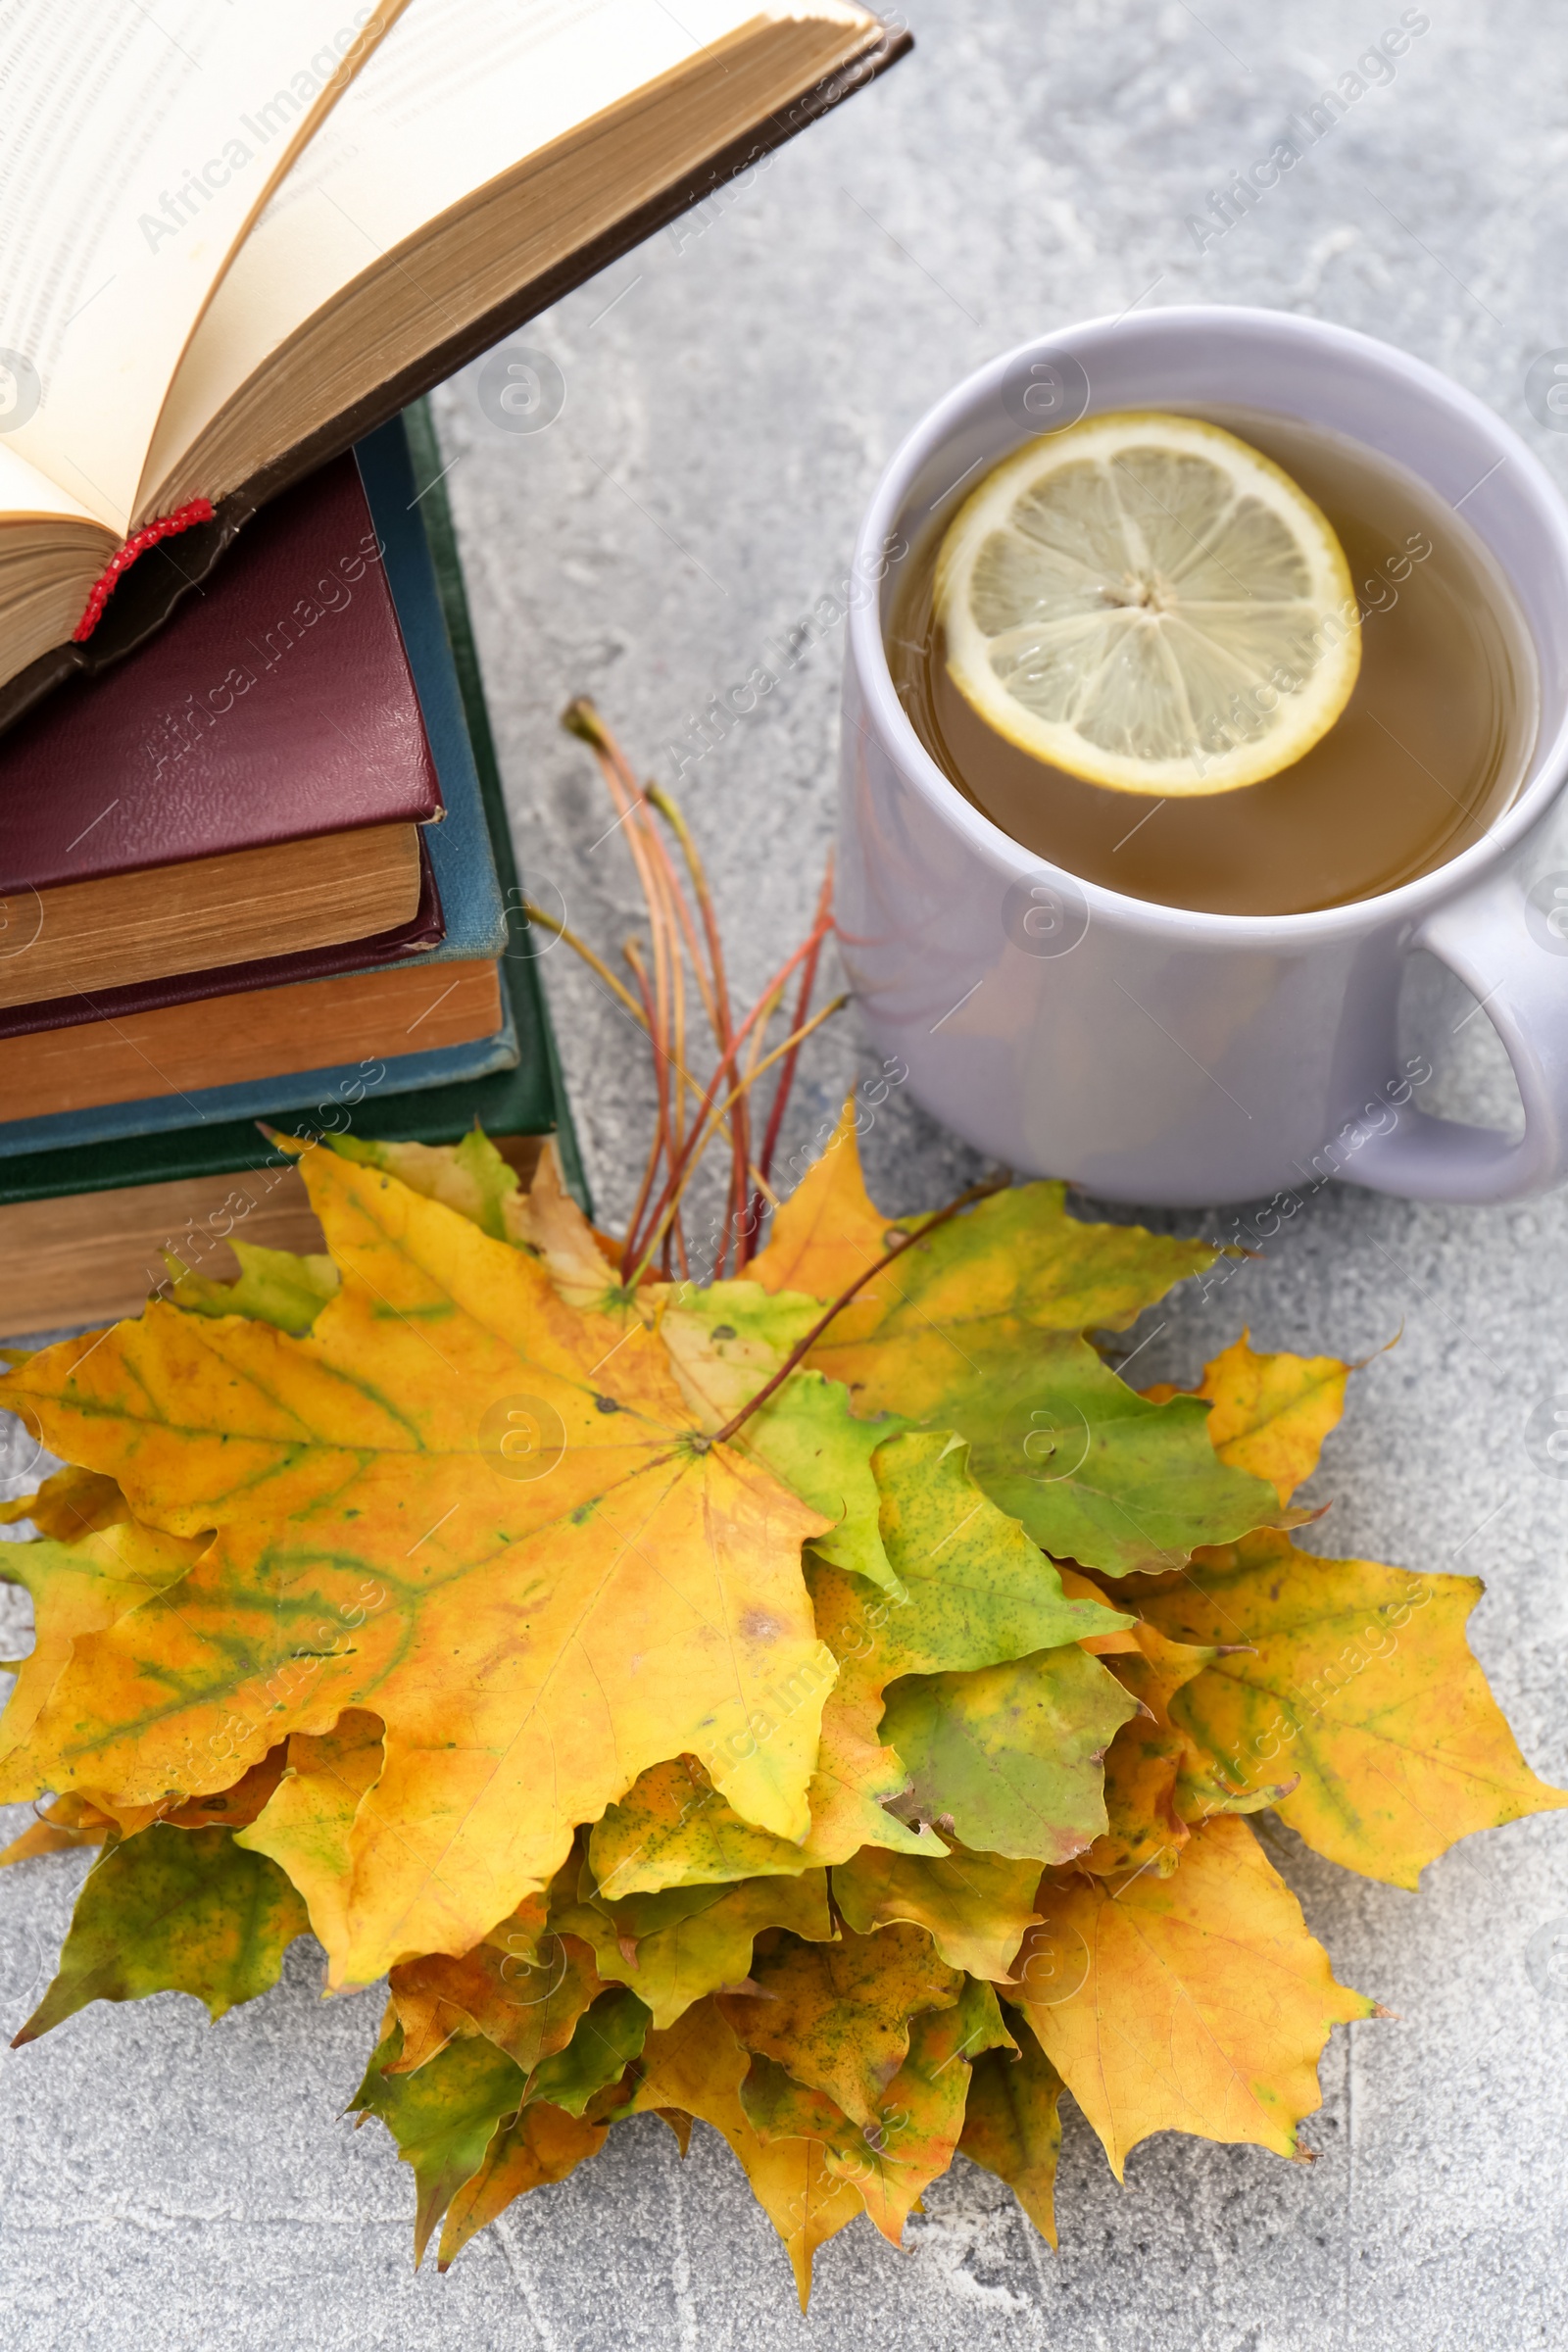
pixel 196 509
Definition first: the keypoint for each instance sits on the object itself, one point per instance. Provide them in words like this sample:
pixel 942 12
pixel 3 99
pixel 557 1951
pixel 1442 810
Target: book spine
pixel 196 509
pixel 523 980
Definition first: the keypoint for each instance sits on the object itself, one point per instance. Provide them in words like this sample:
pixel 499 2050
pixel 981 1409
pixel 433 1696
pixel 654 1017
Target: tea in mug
pixel 1226 661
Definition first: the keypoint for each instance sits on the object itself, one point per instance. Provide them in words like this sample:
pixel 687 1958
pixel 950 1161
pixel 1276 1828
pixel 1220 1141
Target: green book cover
pixel 422 546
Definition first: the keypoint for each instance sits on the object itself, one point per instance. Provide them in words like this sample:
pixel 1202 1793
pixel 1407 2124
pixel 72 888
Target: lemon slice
pixel 1150 604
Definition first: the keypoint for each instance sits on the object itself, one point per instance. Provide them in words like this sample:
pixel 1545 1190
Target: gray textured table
pixel 731 393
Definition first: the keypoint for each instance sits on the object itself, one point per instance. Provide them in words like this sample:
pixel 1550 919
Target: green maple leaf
pixel 1094 1470
pixel 975 1907
pixel 690 1940
pixel 970 1590
pixel 275 1286
pixel 443 2116
pixel 979 1591
pixel 173 1911
pixel 608 2034
pixel 453 2115
pixel 978 1328
pixel 1010 1755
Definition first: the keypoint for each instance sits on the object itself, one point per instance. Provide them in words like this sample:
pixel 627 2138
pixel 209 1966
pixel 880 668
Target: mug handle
pixel 1484 938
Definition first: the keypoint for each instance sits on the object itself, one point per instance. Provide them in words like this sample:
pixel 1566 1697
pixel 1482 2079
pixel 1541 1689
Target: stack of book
pixel 254 858
pixel 300 760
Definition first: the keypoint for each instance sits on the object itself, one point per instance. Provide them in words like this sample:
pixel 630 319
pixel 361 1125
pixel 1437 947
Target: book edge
pixel 520 979
pixel 284 1096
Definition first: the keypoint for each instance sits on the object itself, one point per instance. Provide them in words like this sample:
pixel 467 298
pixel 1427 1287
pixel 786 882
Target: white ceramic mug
pixel 1149 1052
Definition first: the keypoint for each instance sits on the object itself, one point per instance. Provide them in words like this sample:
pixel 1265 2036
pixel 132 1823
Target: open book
pixel 234 238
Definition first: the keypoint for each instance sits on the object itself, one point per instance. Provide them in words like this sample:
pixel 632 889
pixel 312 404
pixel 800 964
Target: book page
pixel 458 93
pixel 26 492
pixel 135 145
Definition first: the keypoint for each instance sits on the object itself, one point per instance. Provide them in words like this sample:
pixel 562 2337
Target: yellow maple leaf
pixel 1018 1255
pixel 538 2145
pixel 1269 1414
pixel 1359 1679
pixel 307 1824
pixel 1197 2002
pixel 696 2067
pixel 829 1230
pixel 80 1589
pixel 894 2160
pixel 534 1624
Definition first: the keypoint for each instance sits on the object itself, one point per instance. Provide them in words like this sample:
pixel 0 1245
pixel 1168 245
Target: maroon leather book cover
pixel 276 704
pixel 425 930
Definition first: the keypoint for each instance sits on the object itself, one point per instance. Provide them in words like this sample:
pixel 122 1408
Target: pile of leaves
pixel 823 1703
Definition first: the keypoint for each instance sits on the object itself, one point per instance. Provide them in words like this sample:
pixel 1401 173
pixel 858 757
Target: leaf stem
pixel 667 1203
pixel 669 809
pixel 548 922
pixel 786 1077
pixel 720 1009
pixel 634 959
pixel 656 1216
pixel 739 1193
pixel 679 1173
pixel 638 1012
pixel 581 719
